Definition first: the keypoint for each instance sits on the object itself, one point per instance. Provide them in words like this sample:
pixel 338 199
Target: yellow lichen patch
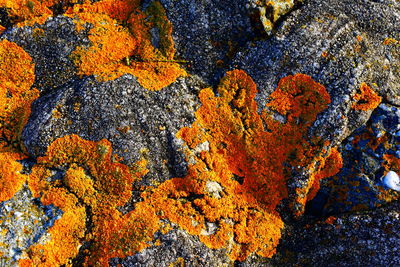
pixel 391 41
pixel 116 49
pixel 367 99
pixel 11 179
pixel 16 94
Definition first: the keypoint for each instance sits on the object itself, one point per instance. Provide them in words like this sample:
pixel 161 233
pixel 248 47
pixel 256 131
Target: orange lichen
pixel 11 178
pixel 120 38
pixel 29 12
pixel 16 94
pixel 65 234
pixel 228 198
pixel 330 220
pixel 328 167
pixel 130 49
pixel 367 99
pixel 391 41
pixel 239 146
pixel 94 180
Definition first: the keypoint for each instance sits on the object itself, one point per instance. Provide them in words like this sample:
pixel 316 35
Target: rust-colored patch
pixel 16 94
pixel 116 49
pixel 93 181
pixel 367 99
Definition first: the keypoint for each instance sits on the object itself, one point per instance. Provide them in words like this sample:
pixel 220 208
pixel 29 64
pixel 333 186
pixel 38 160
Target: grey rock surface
pixel 23 222
pixel 339 43
pixel 176 245
pixel 138 122
pixel 358 185
pixel 368 238
pixel 50 45
pixel 209 33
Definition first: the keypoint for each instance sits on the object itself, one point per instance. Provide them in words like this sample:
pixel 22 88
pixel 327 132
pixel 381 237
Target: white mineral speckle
pixel 214 189
pixel 392 180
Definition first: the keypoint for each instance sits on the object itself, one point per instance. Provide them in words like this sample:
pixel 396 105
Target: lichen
pixel 11 178
pixel 93 187
pixel 130 49
pixel 240 147
pixel 234 183
pixel 367 99
pixel 16 93
pixel 16 96
pixel 29 12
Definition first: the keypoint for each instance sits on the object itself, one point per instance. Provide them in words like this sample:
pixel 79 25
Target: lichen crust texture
pixel 120 35
pixel 240 156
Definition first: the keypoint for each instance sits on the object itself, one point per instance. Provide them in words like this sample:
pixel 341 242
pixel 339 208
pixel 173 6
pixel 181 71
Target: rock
pixel 368 155
pixel 23 222
pixel 139 123
pixel 176 246
pixel 50 46
pixel 332 42
pixel 391 180
pixel 209 215
pixel 371 238
pixel 208 33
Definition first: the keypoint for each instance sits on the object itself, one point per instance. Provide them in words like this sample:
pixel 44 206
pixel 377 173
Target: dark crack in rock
pixel 369 238
pixel 209 33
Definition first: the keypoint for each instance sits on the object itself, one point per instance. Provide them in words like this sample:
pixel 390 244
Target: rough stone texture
pixel 338 43
pixel 175 245
pixel 331 42
pixel 358 185
pixel 208 33
pixel 351 34
pixel 368 239
pixel 50 45
pixel 139 123
pixel 23 222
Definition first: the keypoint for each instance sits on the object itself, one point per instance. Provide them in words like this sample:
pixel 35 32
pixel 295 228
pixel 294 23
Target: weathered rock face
pixel 209 33
pixel 138 122
pixel 50 45
pixel 369 238
pixel 369 153
pixel 338 43
pixel 193 171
